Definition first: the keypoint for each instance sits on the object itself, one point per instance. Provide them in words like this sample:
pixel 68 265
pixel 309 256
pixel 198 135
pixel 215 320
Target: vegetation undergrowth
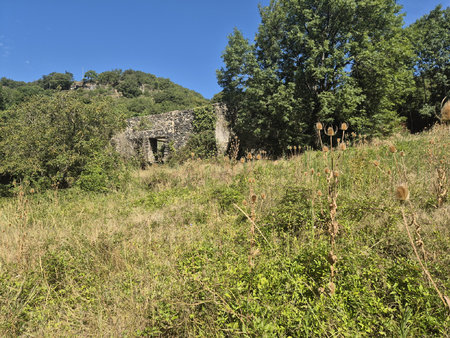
pixel 224 247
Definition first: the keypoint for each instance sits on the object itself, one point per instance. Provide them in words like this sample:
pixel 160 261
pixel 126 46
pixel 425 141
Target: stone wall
pixel 151 137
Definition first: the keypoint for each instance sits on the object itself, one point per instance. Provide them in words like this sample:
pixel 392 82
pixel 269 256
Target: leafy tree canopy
pixel 312 60
pixel 51 139
pixel 137 92
pixel 61 81
pixel 90 76
pixel 430 36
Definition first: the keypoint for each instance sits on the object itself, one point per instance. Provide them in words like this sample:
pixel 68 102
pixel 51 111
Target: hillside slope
pixel 138 93
pixel 313 245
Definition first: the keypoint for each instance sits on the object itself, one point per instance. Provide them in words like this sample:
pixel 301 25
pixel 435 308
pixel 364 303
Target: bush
pixel 102 172
pixel 293 212
pixel 53 139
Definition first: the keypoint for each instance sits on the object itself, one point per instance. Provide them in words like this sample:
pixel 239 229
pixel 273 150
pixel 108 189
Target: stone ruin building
pixel 152 137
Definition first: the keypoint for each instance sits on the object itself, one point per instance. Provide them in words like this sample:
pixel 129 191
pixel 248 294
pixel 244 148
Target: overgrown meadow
pixel 350 241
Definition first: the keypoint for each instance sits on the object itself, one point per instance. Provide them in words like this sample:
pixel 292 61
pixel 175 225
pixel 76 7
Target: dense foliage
pixel 137 92
pixel 52 140
pixel 331 61
pixel 430 36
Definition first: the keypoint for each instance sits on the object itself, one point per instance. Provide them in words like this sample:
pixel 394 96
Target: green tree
pixel 110 77
pixel 61 81
pixel 90 76
pixel 53 138
pixel 316 60
pixel 430 36
pixel 2 99
pixel 5 82
pixel 129 85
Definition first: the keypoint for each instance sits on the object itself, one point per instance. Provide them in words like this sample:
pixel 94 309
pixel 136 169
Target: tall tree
pixel 333 61
pixel 110 77
pixel 61 81
pixel 2 99
pixel 90 76
pixel 52 138
pixel 430 36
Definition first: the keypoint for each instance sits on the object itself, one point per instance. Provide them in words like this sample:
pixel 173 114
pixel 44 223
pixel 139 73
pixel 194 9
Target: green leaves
pixel 55 137
pixel 60 81
pixel 430 36
pixel 317 59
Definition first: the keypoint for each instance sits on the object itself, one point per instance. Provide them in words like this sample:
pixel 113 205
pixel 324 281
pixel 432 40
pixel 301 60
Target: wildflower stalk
pixel 441 187
pixel 319 128
pixel 333 225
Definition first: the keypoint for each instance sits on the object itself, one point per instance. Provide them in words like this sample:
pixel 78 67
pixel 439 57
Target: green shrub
pixel 295 211
pixel 226 196
pixel 54 139
pixel 104 171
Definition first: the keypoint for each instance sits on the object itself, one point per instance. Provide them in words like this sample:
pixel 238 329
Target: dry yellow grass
pixel 75 263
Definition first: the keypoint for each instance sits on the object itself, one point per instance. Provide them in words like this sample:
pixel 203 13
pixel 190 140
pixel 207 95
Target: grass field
pixel 315 244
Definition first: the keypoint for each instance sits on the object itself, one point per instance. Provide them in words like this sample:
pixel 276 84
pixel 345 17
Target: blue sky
pixel 177 39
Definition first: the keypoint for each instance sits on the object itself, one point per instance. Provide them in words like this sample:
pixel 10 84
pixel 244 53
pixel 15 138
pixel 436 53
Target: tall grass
pixel 175 252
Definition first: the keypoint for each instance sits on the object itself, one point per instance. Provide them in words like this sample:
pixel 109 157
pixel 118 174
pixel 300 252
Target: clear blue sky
pixel 177 39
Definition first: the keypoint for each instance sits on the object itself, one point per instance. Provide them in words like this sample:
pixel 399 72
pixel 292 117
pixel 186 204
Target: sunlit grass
pixel 168 254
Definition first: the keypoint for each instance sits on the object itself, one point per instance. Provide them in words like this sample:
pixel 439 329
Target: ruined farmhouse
pixel 153 137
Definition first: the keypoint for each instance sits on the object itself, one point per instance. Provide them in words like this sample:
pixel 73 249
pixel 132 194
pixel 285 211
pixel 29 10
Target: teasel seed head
pixel 242 160
pixel 319 126
pixel 402 193
pixel 392 149
pixel 330 131
pixel 325 149
pixel 342 146
pixel 344 126
pixel 332 258
pixel 332 288
pixel 254 197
